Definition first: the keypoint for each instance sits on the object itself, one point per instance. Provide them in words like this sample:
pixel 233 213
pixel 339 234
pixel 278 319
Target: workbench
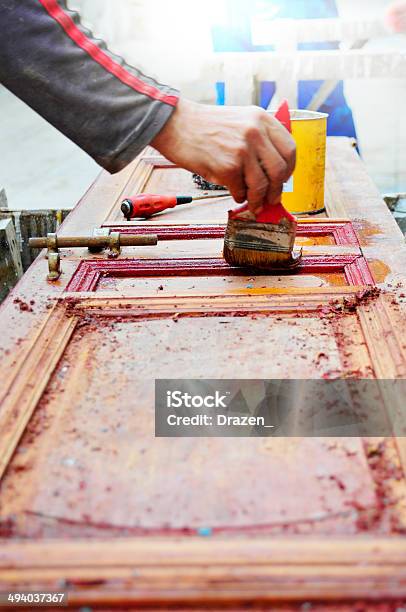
pixel 92 501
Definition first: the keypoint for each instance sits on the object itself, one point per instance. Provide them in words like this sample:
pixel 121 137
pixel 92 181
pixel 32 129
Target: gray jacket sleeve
pixel 50 61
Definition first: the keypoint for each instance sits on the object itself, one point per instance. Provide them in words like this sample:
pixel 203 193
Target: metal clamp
pixel 114 246
pixel 101 239
pixel 54 259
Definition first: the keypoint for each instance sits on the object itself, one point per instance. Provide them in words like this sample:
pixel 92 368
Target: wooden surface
pixel 29 223
pixel 78 456
pixel 198 571
pixel 11 268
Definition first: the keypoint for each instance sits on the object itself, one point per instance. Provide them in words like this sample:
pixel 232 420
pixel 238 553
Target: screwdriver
pixel 147 205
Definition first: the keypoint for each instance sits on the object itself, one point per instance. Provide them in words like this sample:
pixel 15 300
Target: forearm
pixel 53 64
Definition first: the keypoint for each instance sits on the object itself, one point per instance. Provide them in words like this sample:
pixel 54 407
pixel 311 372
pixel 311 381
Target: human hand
pixel 396 16
pixel 243 148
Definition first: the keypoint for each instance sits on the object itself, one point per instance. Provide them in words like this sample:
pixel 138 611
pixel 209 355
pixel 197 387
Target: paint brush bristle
pixel 268 246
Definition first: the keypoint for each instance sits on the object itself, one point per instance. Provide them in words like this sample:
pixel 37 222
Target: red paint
pixel 98 55
pixel 88 273
pixel 176 232
pixel 358 273
pixel 271 213
pixel 342 233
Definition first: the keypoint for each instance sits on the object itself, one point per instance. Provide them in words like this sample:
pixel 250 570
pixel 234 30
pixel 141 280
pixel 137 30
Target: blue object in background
pixel 205 531
pixel 235 35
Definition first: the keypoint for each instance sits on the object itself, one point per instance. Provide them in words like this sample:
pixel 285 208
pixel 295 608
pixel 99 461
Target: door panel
pixel 213 285
pixel 101 500
pixel 90 441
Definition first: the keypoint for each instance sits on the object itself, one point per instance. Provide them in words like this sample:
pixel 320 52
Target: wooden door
pixel 92 501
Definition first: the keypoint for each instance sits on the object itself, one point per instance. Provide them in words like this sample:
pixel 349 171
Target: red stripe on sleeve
pixel 54 10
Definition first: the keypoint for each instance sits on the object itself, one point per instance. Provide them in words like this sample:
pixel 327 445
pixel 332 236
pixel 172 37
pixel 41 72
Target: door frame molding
pixel 340 230
pixel 208 570
pixel 89 271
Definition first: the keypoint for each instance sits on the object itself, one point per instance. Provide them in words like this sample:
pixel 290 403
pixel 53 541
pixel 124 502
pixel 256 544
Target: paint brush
pixel 265 240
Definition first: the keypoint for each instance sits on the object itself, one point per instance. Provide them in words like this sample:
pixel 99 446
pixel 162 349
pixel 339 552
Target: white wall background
pixel 379 107
pixel 144 30
pixel 169 39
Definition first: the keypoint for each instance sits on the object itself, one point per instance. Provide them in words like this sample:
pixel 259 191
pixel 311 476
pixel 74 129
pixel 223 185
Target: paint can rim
pixel 303 114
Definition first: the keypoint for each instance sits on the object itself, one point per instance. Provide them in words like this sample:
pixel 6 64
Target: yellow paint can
pixel 304 193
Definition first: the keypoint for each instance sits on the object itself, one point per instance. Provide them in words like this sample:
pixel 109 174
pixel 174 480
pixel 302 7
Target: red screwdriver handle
pixel 147 205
